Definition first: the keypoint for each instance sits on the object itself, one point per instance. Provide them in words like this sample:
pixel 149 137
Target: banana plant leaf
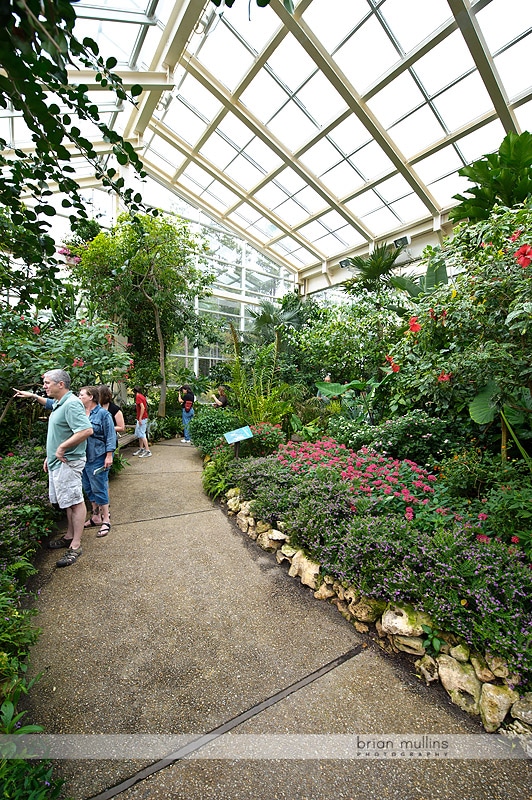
pixel 338 389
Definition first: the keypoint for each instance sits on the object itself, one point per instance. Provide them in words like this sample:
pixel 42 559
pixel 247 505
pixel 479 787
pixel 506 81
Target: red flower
pixel 433 314
pixel 389 359
pixel 515 540
pixel 395 367
pixel 78 362
pixel 524 255
pixel 515 236
pixel 413 325
pixel 444 376
pixel 36 329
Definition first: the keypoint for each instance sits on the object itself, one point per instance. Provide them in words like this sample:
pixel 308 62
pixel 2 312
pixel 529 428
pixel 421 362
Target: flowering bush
pixel 415 435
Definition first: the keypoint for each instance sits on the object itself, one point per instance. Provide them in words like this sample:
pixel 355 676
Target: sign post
pixel 237 436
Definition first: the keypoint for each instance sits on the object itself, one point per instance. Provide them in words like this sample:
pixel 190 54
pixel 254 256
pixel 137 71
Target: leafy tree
pixel 503 178
pixel 270 319
pixel 374 271
pixel 144 273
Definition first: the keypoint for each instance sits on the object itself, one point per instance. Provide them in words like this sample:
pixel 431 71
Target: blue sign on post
pixel 238 435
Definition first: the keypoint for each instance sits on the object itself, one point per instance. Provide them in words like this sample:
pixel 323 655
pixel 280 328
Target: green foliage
pixel 36 47
pixel 29 345
pixel 374 271
pixel 145 272
pixel 503 178
pixel 164 428
pixel 215 477
pixel 22 780
pixel 208 425
pixel 433 640
pixel 416 435
pixel 257 395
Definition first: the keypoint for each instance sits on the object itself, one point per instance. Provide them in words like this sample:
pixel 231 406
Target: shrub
pixel 266 439
pixel 209 424
pixel 415 436
pixel 267 483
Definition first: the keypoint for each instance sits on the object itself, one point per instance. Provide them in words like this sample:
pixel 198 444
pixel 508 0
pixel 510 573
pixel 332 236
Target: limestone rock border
pixel 480 684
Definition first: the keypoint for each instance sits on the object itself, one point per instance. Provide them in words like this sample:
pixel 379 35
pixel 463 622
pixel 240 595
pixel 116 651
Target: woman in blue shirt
pixel 100 449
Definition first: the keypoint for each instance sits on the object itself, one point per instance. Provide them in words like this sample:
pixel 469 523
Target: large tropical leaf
pixel 483 408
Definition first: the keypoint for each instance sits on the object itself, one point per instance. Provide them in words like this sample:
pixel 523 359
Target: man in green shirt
pixel 68 431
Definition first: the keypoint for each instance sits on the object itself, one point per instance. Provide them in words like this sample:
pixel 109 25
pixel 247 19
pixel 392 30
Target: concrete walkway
pixel 177 624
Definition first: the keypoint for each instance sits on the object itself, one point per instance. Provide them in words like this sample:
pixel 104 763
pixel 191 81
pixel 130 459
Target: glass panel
pixel 244 173
pixel 396 99
pixel 198 175
pixel 380 221
pixel 236 60
pixel 410 208
pixel 325 24
pixel 198 97
pixel 504 20
pixel 364 203
pixel 342 180
pixel 167 151
pixel 290 212
pixel 367 55
pixel 453 53
pixel 438 165
pixel 235 131
pixel 225 195
pixel 263 96
pixel 332 220
pixel 310 200
pixel 444 190
pixel 524 116
pixel 290 62
pixel 349 135
pixel 510 67
pixel 181 119
pixel 292 126
pixel 218 152
pixel 257 32
pixel 321 157
pixel 321 100
pixel 271 195
pixel 413 20
pixel 290 181
pixel 417 131
pixel 314 230
pixel 371 161
pixel 463 102
pixel 262 155
pixel 393 188
pixel 350 236
pixel 113 38
pixel 486 140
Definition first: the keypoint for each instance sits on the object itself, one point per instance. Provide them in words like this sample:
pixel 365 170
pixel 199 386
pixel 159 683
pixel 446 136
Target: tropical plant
pixel 503 178
pixel 257 396
pixel 374 270
pixel 270 319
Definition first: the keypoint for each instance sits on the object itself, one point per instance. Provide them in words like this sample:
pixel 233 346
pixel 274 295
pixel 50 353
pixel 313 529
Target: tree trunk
pixel 161 412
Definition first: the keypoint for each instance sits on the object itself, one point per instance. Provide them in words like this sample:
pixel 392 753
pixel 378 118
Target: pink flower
pixel 524 255
pixel 409 513
pixel 36 330
pixel 483 538
pixel 482 516
pixel 515 540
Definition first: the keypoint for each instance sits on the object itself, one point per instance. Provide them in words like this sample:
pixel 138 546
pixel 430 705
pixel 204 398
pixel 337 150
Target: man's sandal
pixel 104 530
pixel 91 524
pixel 55 544
pixel 70 557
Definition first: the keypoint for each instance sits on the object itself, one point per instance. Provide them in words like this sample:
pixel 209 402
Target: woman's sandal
pixel 91 524
pixel 104 530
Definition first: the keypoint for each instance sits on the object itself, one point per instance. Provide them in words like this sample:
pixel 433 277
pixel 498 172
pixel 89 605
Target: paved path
pixel 176 624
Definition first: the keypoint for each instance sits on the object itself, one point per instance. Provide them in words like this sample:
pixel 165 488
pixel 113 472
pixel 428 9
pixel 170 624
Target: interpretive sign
pixel 238 435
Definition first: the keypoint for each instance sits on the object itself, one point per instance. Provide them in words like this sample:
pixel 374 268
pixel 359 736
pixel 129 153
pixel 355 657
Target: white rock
pixel 460 683
pixel 306 569
pixel 495 702
pixel 402 619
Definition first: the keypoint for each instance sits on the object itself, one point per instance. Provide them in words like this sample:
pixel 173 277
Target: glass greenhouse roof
pixel 317 135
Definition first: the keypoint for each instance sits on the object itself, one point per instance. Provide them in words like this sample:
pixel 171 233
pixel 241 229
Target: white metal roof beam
pixel 106 14
pixel 479 51
pixel 159 81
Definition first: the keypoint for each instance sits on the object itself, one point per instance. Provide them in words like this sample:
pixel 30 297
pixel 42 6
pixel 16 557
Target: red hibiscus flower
pixel 414 325
pixel 524 255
